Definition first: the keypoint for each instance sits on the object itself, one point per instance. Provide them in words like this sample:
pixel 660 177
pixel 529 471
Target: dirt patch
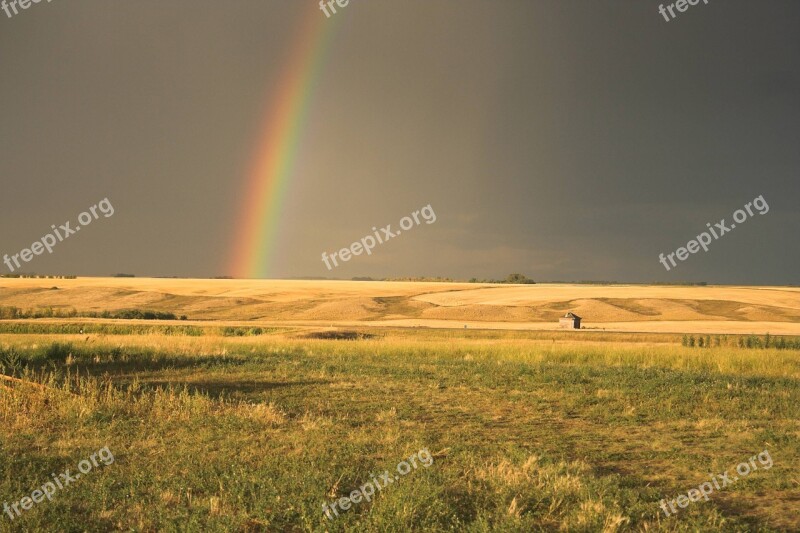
pixel 339 335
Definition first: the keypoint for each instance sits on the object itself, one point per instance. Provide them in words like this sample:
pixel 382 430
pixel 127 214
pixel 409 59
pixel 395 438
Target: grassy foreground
pixel 219 433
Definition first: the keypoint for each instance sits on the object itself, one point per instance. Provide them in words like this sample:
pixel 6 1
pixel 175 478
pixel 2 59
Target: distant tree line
pixel 511 278
pixel 417 279
pixel 606 282
pixel 748 342
pixel 35 276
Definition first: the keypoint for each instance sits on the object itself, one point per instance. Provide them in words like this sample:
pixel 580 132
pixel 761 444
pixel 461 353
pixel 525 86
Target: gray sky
pixel 564 139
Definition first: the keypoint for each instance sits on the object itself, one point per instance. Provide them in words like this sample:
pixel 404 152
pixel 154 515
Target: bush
pixel 10 312
pixel 519 278
pixel 138 314
pixel 58 352
pixel 11 361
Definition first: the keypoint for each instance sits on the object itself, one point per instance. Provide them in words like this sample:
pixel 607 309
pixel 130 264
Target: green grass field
pixel 527 432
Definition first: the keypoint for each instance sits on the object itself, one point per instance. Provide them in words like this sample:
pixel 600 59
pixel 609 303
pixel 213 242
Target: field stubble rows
pixel 642 308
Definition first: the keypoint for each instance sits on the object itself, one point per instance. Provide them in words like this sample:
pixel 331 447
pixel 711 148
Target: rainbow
pixel 273 164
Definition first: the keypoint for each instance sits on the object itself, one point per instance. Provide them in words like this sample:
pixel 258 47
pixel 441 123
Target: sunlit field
pixel 628 308
pixel 219 429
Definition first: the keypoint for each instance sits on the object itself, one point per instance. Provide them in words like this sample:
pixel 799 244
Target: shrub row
pixel 748 342
pixel 13 313
pixel 131 329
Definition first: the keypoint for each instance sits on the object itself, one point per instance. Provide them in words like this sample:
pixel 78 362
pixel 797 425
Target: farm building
pixel 569 321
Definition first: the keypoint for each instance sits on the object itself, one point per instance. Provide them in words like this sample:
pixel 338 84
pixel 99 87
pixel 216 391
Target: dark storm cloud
pixel 564 139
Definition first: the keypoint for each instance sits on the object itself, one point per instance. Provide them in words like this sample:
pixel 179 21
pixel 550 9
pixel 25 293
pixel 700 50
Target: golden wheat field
pixel 624 308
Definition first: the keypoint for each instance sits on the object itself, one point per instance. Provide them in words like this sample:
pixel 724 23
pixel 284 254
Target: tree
pixel 519 278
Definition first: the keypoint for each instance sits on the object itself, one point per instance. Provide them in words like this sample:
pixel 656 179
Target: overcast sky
pixel 563 139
